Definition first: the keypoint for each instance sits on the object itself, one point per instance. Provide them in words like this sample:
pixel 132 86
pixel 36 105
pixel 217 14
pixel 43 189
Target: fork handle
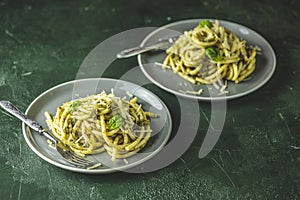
pixel 12 109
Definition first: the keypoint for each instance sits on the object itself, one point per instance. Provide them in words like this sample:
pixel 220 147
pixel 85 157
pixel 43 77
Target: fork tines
pixel 78 160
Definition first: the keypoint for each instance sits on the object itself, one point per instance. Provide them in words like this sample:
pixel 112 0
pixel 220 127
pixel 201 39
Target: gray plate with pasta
pixel 157 68
pixel 54 98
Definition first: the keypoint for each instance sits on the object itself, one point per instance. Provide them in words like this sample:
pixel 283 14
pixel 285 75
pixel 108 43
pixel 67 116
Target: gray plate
pixel 167 80
pixel 54 97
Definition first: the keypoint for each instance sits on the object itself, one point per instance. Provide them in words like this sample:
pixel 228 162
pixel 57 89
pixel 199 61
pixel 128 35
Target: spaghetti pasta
pixel 102 123
pixel 210 53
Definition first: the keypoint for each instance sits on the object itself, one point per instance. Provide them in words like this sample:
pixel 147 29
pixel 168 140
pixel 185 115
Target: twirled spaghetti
pixel 210 53
pixel 102 122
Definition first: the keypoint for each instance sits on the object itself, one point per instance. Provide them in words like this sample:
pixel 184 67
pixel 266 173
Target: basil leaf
pixel 213 54
pixel 114 122
pixel 74 105
pixel 204 23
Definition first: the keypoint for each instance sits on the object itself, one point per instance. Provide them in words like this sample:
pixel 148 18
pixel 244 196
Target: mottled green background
pixel 43 43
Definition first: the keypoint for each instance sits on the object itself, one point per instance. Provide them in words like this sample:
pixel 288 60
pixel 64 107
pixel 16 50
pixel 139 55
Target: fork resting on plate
pixel 63 150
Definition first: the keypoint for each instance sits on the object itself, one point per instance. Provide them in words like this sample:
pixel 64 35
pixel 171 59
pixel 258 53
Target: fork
pixel 159 44
pixel 63 150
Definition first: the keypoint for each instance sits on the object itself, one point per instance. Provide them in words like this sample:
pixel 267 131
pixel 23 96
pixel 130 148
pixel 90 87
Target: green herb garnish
pixel 213 54
pixel 204 23
pixel 74 105
pixel 114 122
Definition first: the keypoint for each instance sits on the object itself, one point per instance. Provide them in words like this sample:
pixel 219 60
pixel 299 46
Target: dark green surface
pixel 43 43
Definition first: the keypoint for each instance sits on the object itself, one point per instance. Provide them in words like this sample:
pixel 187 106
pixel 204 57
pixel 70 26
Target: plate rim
pixel 29 142
pixel 223 97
